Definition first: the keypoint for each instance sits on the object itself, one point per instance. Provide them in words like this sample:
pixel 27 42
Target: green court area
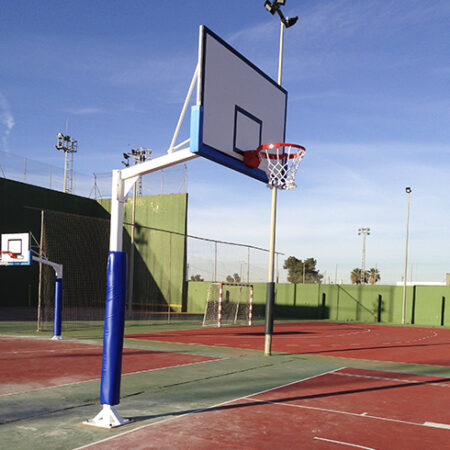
pixel 166 381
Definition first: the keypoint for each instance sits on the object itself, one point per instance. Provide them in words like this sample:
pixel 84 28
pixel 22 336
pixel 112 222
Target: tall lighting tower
pixel 285 22
pixel 139 155
pixel 69 147
pixel 408 191
pixel 364 232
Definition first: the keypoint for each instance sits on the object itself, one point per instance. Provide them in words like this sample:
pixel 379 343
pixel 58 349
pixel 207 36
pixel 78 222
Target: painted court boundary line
pixel 343 443
pixel 205 409
pixel 371 377
pixel 124 374
pixel 363 415
pixel 42 351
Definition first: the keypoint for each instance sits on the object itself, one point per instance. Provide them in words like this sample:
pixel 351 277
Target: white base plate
pixel 108 417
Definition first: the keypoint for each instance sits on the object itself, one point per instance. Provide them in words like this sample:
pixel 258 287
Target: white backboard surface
pixel 17 243
pixel 239 107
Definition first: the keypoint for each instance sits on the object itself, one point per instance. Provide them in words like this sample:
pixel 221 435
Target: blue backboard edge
pixel 198 147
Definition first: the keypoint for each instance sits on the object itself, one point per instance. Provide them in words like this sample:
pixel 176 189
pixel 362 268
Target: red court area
pixel 28 364
pixel 344 408
pixel 372 342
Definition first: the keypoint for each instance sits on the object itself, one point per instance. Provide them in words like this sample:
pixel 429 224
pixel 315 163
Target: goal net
pixel 228 303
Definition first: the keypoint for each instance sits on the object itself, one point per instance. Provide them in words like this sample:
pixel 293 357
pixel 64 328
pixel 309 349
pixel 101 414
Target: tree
pixel 302 271
pixel 234 279
pixel 373 275
pixel 357 278
pixel 196 278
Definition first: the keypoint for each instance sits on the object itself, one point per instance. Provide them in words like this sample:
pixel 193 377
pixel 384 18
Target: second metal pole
pixel 270 290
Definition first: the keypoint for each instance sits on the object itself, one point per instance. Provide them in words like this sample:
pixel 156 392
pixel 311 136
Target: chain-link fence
pixel 98 185
pixel 212 260
pixel 162 262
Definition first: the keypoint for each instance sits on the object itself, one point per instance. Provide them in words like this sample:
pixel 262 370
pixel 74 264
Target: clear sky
pixel 368 85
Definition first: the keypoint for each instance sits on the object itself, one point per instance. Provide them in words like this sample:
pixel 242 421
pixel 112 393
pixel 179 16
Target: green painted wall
pixel 159 256
pixel 428 305
pixel 21 206
pixel 352 303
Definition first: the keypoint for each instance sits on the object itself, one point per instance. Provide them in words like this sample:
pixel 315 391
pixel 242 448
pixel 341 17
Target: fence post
pixel 380 301
pixel 324 297
pixel 413 306
pixel 442 311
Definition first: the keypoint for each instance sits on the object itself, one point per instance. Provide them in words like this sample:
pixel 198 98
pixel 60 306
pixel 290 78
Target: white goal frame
pixel 220 302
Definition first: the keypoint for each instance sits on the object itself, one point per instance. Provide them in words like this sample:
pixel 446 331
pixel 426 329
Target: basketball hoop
pixel 11 254
pixel 280 161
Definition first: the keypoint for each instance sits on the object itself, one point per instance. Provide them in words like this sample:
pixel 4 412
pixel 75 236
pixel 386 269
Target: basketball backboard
pixel 15 249
pixel 238 108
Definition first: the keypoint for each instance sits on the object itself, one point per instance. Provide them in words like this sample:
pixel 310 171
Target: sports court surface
pixel 327 385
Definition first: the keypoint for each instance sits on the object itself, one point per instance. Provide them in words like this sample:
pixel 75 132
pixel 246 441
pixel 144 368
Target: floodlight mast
pixel 286 22
pixel 274 7
pixel 68 146
pixel 408 191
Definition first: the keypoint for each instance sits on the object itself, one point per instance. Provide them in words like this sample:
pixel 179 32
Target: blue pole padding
pixel 116 283
pixel 58 308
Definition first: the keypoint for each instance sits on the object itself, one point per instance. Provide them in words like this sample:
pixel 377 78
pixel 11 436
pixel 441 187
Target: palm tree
pixel 374 275
pixel 355 276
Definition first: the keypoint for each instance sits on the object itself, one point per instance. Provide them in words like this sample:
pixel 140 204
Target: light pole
pixel 139 155
pixel 408 191
pixel 364 232
pixel 286 22
pixel 68 146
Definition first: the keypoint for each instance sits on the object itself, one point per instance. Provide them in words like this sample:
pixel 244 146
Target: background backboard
pixel 239 107
pixel 18 243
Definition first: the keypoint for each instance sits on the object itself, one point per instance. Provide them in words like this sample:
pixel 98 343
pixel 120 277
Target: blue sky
pixel 368 85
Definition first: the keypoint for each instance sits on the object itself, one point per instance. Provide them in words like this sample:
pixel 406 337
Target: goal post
pixel 228 304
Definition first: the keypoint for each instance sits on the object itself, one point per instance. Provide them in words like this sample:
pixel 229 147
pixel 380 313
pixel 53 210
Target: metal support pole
pixel 131 262
pixel 65 171
pixel 270 290
pixel 364 232
pixel 123 181
pixel 363 260
pixel 215 262
pixel 39 308
pixel 408 191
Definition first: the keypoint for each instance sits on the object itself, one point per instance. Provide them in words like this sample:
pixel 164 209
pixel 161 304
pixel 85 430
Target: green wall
pixel 21 206
pixel 159 256
pixel 352 303
pixel 160 249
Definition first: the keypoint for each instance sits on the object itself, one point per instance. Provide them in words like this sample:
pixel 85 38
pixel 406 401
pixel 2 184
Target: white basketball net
pixel 280 162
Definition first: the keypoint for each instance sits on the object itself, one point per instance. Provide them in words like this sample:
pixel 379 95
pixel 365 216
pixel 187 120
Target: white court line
pixel 343 443
pixel 399 380
pixel 63 351
pixel 437 425
pixel 98 378
pixel 203 409
pixel 346 413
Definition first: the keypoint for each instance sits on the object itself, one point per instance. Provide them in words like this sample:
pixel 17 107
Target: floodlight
pixel 408 190
pixel 271 8
pixel 290 21
pixel 275 7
